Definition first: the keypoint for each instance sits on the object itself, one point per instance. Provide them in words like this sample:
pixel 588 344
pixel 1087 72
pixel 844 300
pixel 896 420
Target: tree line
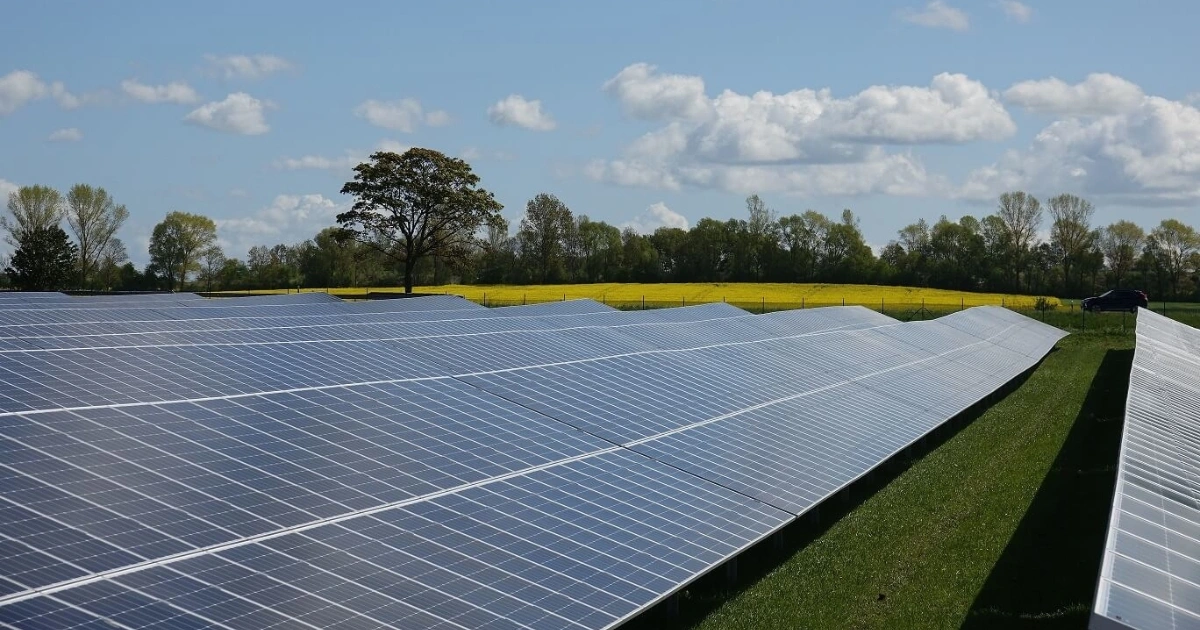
pixel 420 218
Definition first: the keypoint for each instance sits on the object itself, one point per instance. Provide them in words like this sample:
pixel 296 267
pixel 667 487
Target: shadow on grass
pixel 691 605
pixel 1047 575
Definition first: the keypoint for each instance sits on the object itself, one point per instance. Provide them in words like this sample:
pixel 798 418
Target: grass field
pixel 1001 525
pixel 735 292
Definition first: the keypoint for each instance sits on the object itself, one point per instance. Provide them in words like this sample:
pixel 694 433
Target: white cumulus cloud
pixel 403 115
pixel 174 92
pixel 18 88
pixel 70 134
pixel 1147 153
pixel 1096 95
pixel 804 140
pixel 239 113
pixel 1017 11
pixel 342 163
pixel 7 188
pixel 938 14
pixel 656 216
pixel 516 110
pixel 246 66
pixel 289 219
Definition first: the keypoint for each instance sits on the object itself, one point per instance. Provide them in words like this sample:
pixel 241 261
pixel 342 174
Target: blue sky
pixel 634 113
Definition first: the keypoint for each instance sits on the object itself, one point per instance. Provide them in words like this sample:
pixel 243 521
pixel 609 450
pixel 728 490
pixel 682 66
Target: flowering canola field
pixel 735 292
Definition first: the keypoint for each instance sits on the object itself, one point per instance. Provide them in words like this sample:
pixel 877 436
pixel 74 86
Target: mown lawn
pixel 1001 525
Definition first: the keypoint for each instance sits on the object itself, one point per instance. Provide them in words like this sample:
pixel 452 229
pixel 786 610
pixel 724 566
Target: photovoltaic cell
pixel 552 476
pixel 1150 574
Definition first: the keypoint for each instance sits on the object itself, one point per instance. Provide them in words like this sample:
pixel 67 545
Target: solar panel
pixel 574 476
pixel 1149 574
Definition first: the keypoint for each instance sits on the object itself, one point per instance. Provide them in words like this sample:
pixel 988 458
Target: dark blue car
pixel 1117 300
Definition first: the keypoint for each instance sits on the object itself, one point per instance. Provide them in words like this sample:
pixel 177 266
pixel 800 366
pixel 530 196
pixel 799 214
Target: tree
pixel 32 208
pixel 108 272
pixel 212 261
pixel 1021 216
pixel 176 245
pixel 1071 231
pixel 542 235
pixel 416 204
pixel 94 218
pixel 44 261
pixel 1121 243
pixel 1174 244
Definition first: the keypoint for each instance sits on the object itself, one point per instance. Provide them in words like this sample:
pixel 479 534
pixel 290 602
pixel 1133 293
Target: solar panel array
pixel 1150 576
pixel 428 463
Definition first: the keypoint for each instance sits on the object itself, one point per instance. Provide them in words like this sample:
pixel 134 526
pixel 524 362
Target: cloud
pixel 343 163
pixel 515 110
pixel 70 134
pixel 804 140
pixel 289 219
pixel 938 14
pixel 1016 11
pixel 656 216
pixel 246 66
pixel 1148 154
pixel 647 94
pixel 174 92
pixel 475 153
pixel 18 88
pixel 403 115
pixel 239 113
pixel 6 189
pixel 238 192
pixel 1097 95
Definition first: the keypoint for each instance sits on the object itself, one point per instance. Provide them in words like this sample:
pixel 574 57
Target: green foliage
pixel 31 209
pixel 177 244
pixel 417 204
pixel 94 218
pixel 45 261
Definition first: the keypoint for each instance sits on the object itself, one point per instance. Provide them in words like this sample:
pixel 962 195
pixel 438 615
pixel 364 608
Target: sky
pixel 641 114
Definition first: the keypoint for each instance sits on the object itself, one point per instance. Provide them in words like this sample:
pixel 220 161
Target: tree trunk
pixel 408 274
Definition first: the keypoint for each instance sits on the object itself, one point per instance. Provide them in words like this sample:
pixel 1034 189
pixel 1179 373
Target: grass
pixel 1001 525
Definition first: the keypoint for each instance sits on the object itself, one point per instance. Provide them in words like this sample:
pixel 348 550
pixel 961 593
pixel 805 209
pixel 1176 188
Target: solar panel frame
pixel 1151 558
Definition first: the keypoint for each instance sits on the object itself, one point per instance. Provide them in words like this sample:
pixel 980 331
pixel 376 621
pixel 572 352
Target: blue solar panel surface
pixel 559 465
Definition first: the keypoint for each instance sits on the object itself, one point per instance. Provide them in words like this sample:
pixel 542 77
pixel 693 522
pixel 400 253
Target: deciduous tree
pixel 1122 243
pixel 94 218
pixel 31 208
pixel 543 234
pixel 176 245
pixel 416 204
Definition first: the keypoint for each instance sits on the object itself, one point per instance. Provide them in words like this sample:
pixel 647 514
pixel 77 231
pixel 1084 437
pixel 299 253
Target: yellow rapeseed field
pixel 735 292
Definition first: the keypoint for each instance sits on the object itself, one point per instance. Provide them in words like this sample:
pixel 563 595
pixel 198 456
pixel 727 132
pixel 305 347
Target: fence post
pixel 962 303
pixel 843 300
pixel 683 300
pixel 881 305
pixel 764 306
pixel 524 300
pixel 485 298
pixel 643 301
pixel 801 303
pixel 564 297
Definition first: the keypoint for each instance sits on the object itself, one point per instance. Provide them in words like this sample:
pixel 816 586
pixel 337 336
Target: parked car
pixel 1117 300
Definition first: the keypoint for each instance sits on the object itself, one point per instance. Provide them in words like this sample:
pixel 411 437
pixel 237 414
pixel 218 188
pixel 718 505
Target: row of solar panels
pixel 1150 575
pixel 430 463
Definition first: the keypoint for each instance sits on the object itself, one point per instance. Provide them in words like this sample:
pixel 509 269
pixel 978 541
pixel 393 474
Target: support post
pixel 731 571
